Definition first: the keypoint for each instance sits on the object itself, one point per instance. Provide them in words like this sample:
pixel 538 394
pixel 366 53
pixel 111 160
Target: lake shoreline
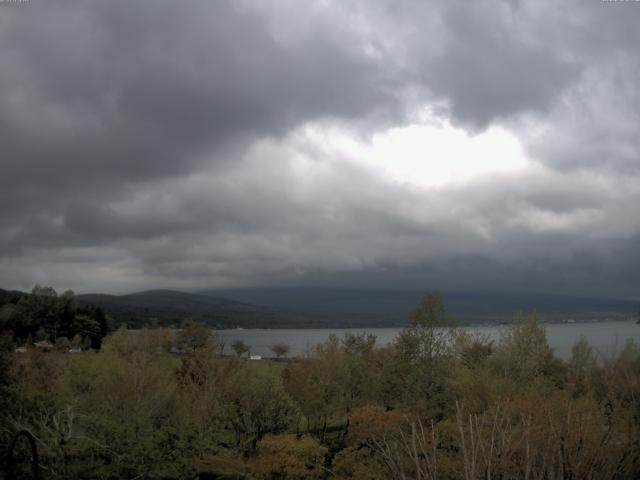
pixel 605 336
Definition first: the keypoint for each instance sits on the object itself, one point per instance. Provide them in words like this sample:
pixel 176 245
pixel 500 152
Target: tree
pixel 240 347
pixel 524 352
pixel 358 344
pixel 582 357
pixel 472 349
pixel 54 316
pixel 10 318
pixel 286 456
pixel 86 325
pixel 76 341
pixel 132 398
pixel 582 365
pixel 68 294
pixel 254 403
pixel 41 335
pixel 427 337
pixel 358 461
pixel 195 335
pixel 43 291
pixel 6 377
pixel 280 349
pixel 41 309
pixel 371 422
pixel 103 322
pixel 328 382
pixel 430 312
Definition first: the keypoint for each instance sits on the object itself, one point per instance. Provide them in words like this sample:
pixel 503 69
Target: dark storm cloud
pixel 137 90
pixel 161 143
pixel 99 98
pixel 489 69
pixel 596 126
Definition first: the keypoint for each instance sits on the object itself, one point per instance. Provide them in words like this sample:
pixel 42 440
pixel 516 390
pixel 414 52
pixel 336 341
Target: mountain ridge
pixel 471 306
pixel 319 307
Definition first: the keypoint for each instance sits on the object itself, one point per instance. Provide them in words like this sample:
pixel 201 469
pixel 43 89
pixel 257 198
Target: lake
pixel 605 337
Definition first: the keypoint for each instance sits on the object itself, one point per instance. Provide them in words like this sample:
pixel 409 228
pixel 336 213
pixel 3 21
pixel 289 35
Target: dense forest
pixel 438 403
pixel 45 316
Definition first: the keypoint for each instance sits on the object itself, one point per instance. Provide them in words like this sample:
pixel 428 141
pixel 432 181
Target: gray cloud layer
pixel 149 144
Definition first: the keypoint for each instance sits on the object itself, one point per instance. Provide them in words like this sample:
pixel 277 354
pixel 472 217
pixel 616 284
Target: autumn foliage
pixel 438 403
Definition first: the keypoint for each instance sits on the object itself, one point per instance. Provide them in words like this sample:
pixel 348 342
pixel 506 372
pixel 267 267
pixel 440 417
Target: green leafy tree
pixel 427 336
pixel 582 366
pixel 10 319
pixel 131 404
pixel 583 358
pixel 41 309
pixel 85 324
pixel 280 349
pixel 55 315
pixel 240 347
pixel 430 312
pixel 255 403
pixel 524 353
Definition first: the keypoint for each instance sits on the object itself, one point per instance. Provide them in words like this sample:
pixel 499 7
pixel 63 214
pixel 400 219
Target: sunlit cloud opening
pixel 426 155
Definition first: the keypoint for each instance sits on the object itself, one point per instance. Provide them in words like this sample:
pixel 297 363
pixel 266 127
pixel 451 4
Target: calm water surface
pixel 605 337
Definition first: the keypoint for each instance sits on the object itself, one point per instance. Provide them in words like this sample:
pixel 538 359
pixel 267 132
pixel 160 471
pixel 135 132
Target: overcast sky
pixel 452 145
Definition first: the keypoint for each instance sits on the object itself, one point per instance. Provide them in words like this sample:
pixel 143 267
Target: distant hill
pixel 334 307
pixel 171 308
pixel 168 307
pixel 11 296
pixel 394 306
